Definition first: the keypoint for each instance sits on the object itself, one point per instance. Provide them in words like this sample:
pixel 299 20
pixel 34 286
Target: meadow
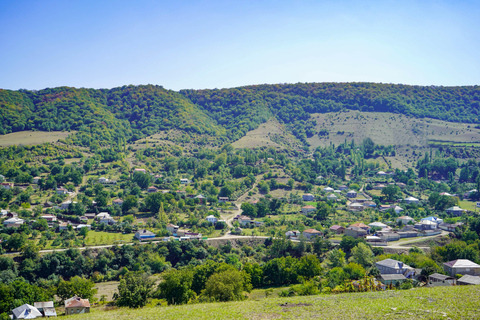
pixel 32 137
pixel 460 302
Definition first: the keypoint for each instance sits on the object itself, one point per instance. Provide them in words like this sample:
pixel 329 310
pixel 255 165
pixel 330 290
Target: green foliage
pixel 134 290
pixel 81 287
pixel 226 285
pixel 176 286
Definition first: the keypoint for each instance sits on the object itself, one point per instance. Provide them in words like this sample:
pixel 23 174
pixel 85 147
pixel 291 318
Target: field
pixel 390 129
pixel 32 137
pixel 423 303
pixel 96 238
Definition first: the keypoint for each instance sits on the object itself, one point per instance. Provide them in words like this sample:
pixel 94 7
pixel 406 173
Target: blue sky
pixel 220 44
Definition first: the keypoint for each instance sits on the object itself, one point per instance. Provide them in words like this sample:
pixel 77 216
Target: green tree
pixel 225 286
pixel 336 258
pixel 134 290
pixel 391 192
pixel 176 286
pixel 362 255
pixel 81 287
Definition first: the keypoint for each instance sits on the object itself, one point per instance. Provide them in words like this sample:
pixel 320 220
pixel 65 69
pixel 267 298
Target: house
pixel 144 234
pixel 389 236
pixel 184 181
pixel 46 308
pixel 378 225
pixel 468 194
pixel 384 207
pixel 455 210
pixel 83 219
pixel 387 279
pixel 328 189
pixel 468 280
pixel 103 180
pixel 355 232
pixel 292 234
pixel 434 219
pixel 102 215
pixel 381 173
pixel 448 227
pixel 62 190
pixel 140 170
pixel 76 305
pixel 80 226
pixel 64 205
pixel 411 200
pixel 6 185
pixel 90 215
pixel 355 206
pixel 3 213
pixel 379 187
pixel 441 278
pixel 397 209
pixel 243 220
pixel 152 189
pixel 49 217
pixel 223 199
pixel 48 204
pixel 332 197
pixel 201 199
pixel 307 209
pixel 343 187
pixel 212 219
pixel 63 226
pixel 308 197
pixel 369 204
pixel 312 233
pixel 352 194
pixel 361 225
pixel 13 223
pixel 117 202
pixel 26 311
pixel 390 266
pixel 36 179
pixel 172 228
pixel 461 266
pixel 337 229
pixel 426 225
pixel 405 219
pixel 108 220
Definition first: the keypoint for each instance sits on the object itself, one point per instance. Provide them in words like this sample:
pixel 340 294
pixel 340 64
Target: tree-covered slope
pixel 130 112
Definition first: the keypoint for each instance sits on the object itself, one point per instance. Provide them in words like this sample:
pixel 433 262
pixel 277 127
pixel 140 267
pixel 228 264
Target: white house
pixel 308 197
pixel 184 181
pixel 212 219
pixel 332 197
pixel 411 200
pixel 117 202
pixel 172 228
pixel 328 189
pixel 352 194
pixel 13 223
pixel 433 219
pixel 103 180
pixel 405 219
pixel 390 266
pixel 144 234
pixel 62 190
pixel 455 210
pixel 307 209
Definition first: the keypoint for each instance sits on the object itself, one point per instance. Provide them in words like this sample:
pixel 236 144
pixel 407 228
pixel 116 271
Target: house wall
pixel 77 310
pixel 453 271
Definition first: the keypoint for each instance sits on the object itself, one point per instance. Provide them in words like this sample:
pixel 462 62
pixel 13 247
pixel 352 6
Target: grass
pixel 469 205
pixel 96 238
pixel 458 302
pixel 32 137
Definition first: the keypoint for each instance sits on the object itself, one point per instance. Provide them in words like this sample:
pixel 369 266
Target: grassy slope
pixel 32 137
pixel 427 303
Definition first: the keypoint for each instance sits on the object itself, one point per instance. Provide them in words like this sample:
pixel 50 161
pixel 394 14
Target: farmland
pixel 32 137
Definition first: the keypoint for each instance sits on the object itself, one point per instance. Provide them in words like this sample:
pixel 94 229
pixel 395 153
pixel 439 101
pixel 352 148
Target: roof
pixel 336 227
pixel 171 226
pixel 461 263
pixel 26 311
pixel 377 224
pixel 440 277
pixel 145 232
pixel 395 264
pixel 351 191
pixel 358 229
pixel 360 225
pixel 211 217
pixel 76 301
pixel 311 231
pixel 44 304
pixel 405 217
pixel 355 204
pixel 411 199
pixel 393 277
pixel 200 197
pixel 469 279
pixel 308 207
pixel 455 208
pixel 428 222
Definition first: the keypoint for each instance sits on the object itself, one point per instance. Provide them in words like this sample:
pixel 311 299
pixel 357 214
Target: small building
pixel 328 189
pixel 397 209
pixel 455 210
pixel 212 219
pixel 405 219
pixel 49 217
pixel 6 185
pixel 381 173
pixel 332 197
pixel 46 308
pixel 307 209
pixel 3 213
pixel 390 266
pixel 450 227
pixel 62 190
pixel 355 206
pixel 36 179
pixel 103 180
pixel 337 229
pixel 152 189
pixel 308 197
pixel 223 199
pixel 461 266
pixel 388 279
pixel 361 225
pixel 13 222
pixel 411 200
pixel 200 198
pixel 172 228
pixel 139 170
pixel 117 202
pixel 352 194
pixel 312 233
pixel 184 181
pixel 389 236
pixel 77 305
pixel 243 220
pixel 369 204
pixel 144 234
pixel 26 311
pixel 63 226
pixel 441 278
pixel 83 225
pixel 294 234
pixel 434 219
pixel 377 225
pixel 90 215
pixel 83 219
pixel 355 232
pixel 426 225
pixel 342 187
pixel 468 280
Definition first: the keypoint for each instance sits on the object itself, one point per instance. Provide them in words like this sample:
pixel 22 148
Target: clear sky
pixel 219 44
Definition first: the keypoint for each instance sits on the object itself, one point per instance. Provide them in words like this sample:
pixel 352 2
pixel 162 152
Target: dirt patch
pixel 294 305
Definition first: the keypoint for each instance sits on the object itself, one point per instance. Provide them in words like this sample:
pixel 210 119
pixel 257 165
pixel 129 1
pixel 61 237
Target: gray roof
pixel 462 263
pixel 393 277
pixel 440 277
pixel 469 279
pixel 26 310
pixel 390 263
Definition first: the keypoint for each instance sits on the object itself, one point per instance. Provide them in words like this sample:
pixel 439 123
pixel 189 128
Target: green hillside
pixel 428 303
pixel 128 113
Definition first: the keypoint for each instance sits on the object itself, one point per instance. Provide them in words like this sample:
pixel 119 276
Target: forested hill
pixel 131 112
